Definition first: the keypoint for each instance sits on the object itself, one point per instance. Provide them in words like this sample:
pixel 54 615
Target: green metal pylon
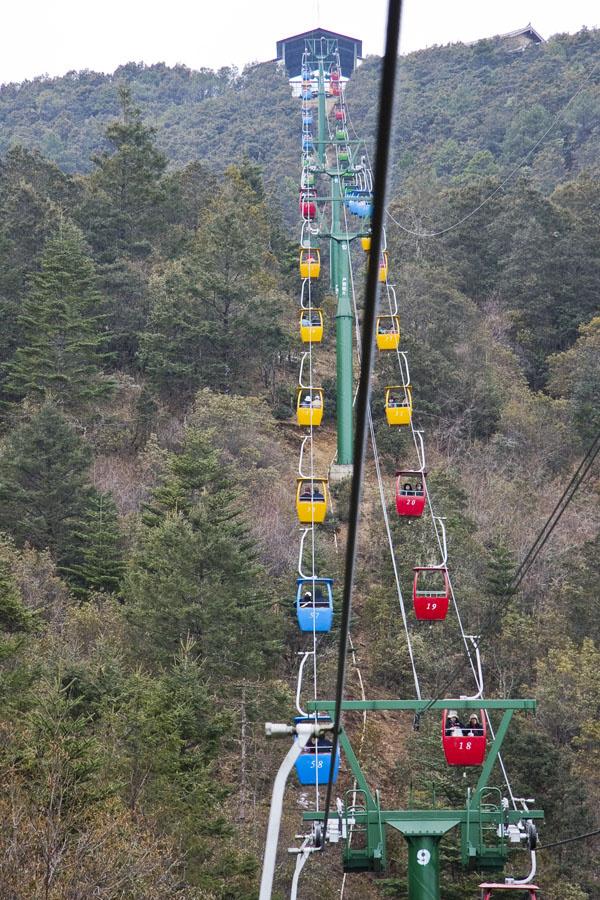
pixel 423 867
pixel 340 285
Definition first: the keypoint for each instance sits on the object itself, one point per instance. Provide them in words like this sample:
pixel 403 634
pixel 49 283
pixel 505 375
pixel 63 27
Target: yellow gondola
pixel 311 500
pixel 311 325
pixel 310 263
pixel 383 267
pixel 398 405
pixel 365 242
pixel 309 406
pixel 388 332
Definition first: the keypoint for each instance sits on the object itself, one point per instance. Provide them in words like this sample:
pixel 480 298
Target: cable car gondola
pixel 431 592
pixel 383 267
pixel 308 206
pixel 388 332
pixel 314 603
pixel 410 494
pixel 311 500
pixel 340 115
pixel 310 262
pixel 463 745
pixel 398 405
pixel 313 766
pixel 311 325
pixel 365 242
pixel 309 406
pixel 488 889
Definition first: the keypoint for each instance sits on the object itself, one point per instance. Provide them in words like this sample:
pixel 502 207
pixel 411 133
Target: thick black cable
pixel 530 557
pixel 578 837
pixel 384 131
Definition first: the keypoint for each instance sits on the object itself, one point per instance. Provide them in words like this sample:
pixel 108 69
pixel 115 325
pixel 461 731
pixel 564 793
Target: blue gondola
pixel 307 143
pixel 307 94
pixel 360 203
pixel 307 119
pixel 321 610
pixel 313 766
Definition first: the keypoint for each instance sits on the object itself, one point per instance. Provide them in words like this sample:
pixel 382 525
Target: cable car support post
pixel 423 829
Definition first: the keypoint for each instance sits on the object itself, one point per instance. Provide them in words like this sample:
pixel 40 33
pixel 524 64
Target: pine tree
pixel 131 176
pixel 44 486
pixel 101 566
pixel 60 354
pixel 194 571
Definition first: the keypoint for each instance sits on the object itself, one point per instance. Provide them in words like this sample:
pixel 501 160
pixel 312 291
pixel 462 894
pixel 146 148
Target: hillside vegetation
pixel 148 363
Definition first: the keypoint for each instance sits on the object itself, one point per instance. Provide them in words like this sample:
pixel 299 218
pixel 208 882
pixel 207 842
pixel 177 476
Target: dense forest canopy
pixel 148 364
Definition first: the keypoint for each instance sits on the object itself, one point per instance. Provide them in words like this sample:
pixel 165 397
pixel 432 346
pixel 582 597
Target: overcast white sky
pixel 54 36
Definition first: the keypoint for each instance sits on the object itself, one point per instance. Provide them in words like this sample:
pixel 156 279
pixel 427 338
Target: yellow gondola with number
pixel 398 404
pixel 309 406
pixel 388 332
pixel 311 500
pixel 310 263
pixel 311 324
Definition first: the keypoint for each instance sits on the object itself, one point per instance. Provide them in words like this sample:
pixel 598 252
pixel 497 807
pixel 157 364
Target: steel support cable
pixel 543 536
pixel 504 182
pixel 384 129
pixel 380 483
pixel 570 840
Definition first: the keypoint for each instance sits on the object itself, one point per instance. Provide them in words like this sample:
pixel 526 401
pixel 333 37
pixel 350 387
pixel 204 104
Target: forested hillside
pixel 148 362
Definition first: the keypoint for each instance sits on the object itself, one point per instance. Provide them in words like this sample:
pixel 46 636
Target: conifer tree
pixel 130 176
pixel 101 553
pixel 60 354
pixel 194 571
pixel 44 487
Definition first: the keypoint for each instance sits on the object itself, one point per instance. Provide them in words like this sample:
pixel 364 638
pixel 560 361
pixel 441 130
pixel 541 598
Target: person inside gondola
pixel 393 401
pixel 306 599
pixel 306 401
pixel 453 725
pixel 306 492
pixel 419 488
pixel 316 401
pixel 407 488
pixel 386 327
pixel 318 493
pixel 474 727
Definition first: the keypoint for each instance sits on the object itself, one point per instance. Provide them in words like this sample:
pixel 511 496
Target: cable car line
pixel 530 557
pixel 570 840
pixel 512 173
pixel 384 130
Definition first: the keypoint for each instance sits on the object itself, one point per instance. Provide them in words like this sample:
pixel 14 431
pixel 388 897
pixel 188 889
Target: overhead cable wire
pixel 511 174
pixel 570 840
pixel 384 130
pixel 539 543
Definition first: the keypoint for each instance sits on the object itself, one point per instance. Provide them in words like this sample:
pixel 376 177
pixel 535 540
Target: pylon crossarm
pixel 355 768
pixel 419 705
pixel 492 755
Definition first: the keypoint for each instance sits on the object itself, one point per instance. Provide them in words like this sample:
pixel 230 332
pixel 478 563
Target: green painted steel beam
pixel 492 755
pixel 452 817
pixel 419 705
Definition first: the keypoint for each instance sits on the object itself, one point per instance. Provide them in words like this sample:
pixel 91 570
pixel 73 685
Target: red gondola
pixel 340 115
pixel 431 592
pixel 489 889
pixel 410 492
pixel 308 207
pixel 464 744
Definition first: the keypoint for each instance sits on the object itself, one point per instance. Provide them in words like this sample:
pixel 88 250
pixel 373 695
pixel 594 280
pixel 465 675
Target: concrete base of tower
pixel 339 472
